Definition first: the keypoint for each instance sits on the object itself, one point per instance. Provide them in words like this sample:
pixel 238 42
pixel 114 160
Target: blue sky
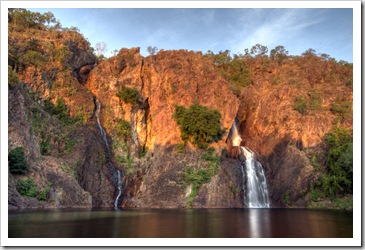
pixel 326 30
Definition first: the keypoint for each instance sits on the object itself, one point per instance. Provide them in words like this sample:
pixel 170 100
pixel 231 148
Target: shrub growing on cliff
pixel 199 124
pixel 195 178
pixel 12 76
pixel 128 95
pixel 35 58
pixel 27 187
pixel 17 163
pixel 342 109
pixel 300 105
pixel 124 129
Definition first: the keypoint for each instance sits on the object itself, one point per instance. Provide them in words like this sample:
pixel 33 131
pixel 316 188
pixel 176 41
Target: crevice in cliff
pixel 147 121
pixel 82 73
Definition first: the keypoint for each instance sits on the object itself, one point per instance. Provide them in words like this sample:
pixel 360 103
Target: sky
pixel 325 30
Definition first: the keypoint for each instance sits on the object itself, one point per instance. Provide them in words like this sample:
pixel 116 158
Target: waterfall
pixel 256 191
pixel 257 194
pixel 119 187
pixel 115 173
pixel 102 131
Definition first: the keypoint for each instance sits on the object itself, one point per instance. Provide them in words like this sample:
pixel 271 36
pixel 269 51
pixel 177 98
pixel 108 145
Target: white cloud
pixel 274 27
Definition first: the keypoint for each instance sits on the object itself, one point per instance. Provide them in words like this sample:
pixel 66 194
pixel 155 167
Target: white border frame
pixel 355 241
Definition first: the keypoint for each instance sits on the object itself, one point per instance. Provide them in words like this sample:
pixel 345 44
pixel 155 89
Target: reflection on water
pixel 181 223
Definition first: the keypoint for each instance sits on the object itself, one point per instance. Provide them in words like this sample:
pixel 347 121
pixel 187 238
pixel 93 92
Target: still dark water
pixel 181 223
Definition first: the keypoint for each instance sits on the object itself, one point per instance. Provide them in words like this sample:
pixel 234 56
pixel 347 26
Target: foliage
pixel 12 76
pixel 342 109
pixel 303 104
pixel 70 143
pixel 123 129
pixel 309 52
pixel 339 174
pixel 45 146
pixel 129 161
pixel 315 163
pixel 62 54
pixel 128 95
pixel 196 178
pixel 23 18
pixel 344 203
pixel 315 101
pixel 60 110
pixel 340 158
pixel 279 54
pixel 287 198
pixel 199 124
pixel 34 58
pixel 17 162
pixel 213 159
pixel 258 50
pixel 240 76
pixel 152 50
pixel 143 152
pixel 28 188
pixel 69 170
pixel 180 147
pixel 300 105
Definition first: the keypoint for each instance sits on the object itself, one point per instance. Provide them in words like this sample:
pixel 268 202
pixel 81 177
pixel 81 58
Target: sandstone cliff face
pixel 283 138
pixel 46 170
pixel 170 78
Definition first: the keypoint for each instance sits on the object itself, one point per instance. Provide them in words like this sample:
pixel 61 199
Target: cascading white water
pixel 112 169
pixel 119 187
pixel 102 131
pixel 236 138
pixel 257 194
pixel 256 191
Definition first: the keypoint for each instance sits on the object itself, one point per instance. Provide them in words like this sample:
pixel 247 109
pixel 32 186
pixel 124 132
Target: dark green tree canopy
pixel 17 163
pixel 198 124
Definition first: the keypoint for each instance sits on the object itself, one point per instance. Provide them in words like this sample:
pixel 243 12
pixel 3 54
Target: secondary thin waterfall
pixel 256 191
pixel 115 173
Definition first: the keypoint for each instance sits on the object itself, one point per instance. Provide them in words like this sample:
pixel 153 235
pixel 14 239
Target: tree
pixel 114 52
pixel 309 52
pixel 49 18
pixel 279 54
pixel 199 124
pixel 100 49
pixel 258 50
pixel 152 50
pixel 17 163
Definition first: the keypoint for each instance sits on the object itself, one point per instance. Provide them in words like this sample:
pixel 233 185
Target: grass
pixel 287 198
pixel 343 203
pixel 69 170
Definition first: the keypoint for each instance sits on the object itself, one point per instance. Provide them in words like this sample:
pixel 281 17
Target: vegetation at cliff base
pixel 17 162
pixel 28 188
pixel 198 124
pixel 197 177
pixel 336 181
